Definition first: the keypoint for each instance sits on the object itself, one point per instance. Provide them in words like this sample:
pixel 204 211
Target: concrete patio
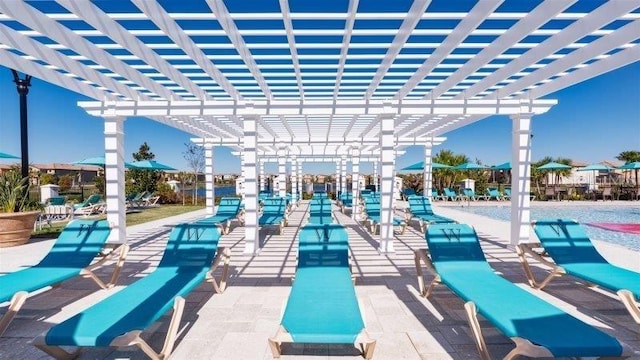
pixel 236 324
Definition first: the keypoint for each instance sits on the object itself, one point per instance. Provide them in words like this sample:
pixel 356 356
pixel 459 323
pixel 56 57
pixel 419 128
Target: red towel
pixel 625 228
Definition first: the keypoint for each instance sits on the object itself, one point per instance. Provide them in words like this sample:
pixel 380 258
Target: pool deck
pixel 236 324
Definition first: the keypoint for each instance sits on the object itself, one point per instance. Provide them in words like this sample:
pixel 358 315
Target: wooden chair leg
pixel 476 331
pixel 629 302
pixel 16 303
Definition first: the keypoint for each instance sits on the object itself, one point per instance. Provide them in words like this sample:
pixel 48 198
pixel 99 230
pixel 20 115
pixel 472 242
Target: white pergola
pixel 299 81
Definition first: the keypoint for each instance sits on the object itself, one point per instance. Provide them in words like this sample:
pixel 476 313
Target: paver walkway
pixel 236 324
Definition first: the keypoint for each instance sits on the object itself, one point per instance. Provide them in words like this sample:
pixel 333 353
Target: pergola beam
pixel 321 141
pixel 479 13
pixel 159 16
pixel 231 30
pixel 534 19
pixel 600 17
pixel 346 41
pixel 407 28
pixel 314 107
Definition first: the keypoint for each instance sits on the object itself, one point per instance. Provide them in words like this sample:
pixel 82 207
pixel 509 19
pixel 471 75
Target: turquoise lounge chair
pixel 566 249
pixel 538 328
pixel 191 256
pixel 470 194
pixel 450 194
pixel 91 200
pixel 372 213
pixel 320 211
pixel 228 210
pixel 56 201
pixel 494 194
pixel 507 194
pixel 274 213
pixel 322 306
pixel 71 255
pixel 420 208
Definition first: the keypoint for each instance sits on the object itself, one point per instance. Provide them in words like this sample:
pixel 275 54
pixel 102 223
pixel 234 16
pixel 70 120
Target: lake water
pixel 220 191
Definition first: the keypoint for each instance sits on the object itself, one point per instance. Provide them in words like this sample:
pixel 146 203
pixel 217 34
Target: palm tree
pixel 536 175
pixel 447 177
pixel 563 172
pixel 630 156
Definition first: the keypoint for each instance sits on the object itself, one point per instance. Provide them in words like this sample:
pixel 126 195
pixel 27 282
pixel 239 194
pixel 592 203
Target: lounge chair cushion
pixel 322 307
pixel 460 262
pixel 570 247
pixel 186 260
pixel 76 247
pixel 270 219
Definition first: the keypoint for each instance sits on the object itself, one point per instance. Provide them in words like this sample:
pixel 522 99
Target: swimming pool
pixel 581 213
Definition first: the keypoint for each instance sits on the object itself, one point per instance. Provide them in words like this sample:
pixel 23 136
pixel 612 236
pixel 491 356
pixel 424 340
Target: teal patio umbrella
pixel 150 165
pixel 99 161
pixel 7 156
pixel 632 166
pixel 505 166
pixel 420 166
pixel 595 168
pixel 552 166
pixel 470 166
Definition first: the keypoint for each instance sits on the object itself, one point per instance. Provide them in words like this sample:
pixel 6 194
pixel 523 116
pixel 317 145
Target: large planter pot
pixel 16 228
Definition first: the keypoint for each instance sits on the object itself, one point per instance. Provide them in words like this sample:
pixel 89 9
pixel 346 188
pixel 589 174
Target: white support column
pixel 242 184
pixel 282 172
pixel 294 180
pixel 375 175
pixel 300 180
pixel 355 184
pixel 262 179
pixel 521 178
pixel 210 194
pixel 114 179
pixel 428 171
pixel 388 158
pixel 249 167
pixel 343 174
pixel 338 182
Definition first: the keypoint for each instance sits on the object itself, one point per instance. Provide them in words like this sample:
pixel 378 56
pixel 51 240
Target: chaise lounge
pixel 322 307
pixel 274 213
pixel 566 249
pixel 71 255
pixel 191 257
pixel 538 328
pixel 228 210
pixel 420 208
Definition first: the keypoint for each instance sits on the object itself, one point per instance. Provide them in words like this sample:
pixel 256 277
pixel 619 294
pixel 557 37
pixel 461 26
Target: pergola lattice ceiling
pixel 334 51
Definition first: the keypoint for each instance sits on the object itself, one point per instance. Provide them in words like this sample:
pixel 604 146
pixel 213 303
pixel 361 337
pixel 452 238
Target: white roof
pixel 322 71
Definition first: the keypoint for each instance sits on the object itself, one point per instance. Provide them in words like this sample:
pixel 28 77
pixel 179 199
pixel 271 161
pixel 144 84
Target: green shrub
pixel 166 193
pixel 65 182
pixel 47 179
pixel 14 194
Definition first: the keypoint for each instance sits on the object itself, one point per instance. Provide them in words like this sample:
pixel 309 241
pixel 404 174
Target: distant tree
pixel 194 155
pixel 446 177
pixel 537 176
pixel 630 156
pixel 65 182
pixel 46 178
pixel 562 172
pixel 144 180
pixel 184 178
pixel 99 183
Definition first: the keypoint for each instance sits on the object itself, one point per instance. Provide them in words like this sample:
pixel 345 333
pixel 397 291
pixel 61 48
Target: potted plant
pixel 18 214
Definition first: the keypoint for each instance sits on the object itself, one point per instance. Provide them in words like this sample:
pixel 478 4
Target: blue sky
pixel 593 121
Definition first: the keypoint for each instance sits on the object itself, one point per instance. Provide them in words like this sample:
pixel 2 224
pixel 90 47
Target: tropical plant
pixel 46 178
pixel 630 156
pixel 14 194
pixel 446 177
pixel 537 176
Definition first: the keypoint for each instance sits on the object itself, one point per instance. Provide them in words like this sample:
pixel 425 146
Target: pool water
pixel 581 214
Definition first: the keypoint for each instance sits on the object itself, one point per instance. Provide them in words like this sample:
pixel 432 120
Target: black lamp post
pixel 22 86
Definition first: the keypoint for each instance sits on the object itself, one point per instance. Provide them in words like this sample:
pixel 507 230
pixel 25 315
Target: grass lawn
pixel 135 218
